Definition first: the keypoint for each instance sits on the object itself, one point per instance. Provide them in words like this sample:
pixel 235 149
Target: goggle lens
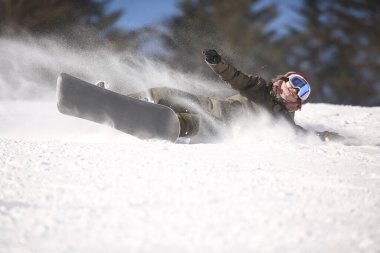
pixel 297 82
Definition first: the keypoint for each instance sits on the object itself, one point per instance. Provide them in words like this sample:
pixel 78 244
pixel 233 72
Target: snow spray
pixel 29 69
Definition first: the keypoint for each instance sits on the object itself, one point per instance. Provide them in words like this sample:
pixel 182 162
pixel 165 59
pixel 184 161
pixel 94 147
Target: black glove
pixel 212 56
pixel 330 136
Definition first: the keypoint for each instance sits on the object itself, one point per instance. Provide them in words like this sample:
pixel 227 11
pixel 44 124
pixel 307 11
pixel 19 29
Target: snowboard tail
pixel 142 119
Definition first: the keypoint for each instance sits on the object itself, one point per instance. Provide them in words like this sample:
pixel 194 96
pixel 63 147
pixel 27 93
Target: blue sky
pixel 138 13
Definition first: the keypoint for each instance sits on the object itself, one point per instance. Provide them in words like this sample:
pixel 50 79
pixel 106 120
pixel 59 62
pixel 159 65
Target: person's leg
pixel 197 114
pixel 189 124
pixel 180 101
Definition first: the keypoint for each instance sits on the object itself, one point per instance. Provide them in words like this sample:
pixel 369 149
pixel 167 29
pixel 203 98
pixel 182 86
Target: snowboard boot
pixel 189 124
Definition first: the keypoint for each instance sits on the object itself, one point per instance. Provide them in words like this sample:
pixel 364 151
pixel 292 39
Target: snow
pixel 68 185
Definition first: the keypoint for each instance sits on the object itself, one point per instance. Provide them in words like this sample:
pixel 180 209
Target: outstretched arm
pixel 227 72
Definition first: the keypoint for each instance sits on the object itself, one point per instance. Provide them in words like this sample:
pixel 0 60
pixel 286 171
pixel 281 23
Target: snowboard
pixel 142 119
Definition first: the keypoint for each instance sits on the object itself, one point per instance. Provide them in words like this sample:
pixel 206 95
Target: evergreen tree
pixel 236 29
pixel 75 20
pixel 339 49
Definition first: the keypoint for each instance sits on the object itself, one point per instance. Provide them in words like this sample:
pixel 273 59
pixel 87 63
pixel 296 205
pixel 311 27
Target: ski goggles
pixel 300 83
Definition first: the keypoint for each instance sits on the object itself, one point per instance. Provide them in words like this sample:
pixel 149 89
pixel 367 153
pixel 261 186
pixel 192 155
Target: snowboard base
pixel 142 119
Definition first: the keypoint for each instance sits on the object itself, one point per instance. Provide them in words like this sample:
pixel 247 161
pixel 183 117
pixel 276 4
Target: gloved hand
pixel 330 136
pixel 212 56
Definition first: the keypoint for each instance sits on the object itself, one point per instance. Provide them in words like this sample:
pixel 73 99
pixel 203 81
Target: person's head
pixel 292 89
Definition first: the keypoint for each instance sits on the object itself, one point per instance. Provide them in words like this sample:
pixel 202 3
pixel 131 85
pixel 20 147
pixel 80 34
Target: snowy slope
pixel 68 185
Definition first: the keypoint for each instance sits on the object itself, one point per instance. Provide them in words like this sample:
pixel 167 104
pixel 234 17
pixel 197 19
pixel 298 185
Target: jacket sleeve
pixel 236 79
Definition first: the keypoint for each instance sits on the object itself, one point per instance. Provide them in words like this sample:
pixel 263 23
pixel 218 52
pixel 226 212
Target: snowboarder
pixel 282 98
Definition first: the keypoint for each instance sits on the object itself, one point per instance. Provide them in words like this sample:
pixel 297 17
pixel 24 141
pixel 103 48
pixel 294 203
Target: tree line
pixel 335 43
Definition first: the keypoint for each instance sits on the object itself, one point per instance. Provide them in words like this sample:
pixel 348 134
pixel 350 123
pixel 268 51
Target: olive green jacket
pixel 255 93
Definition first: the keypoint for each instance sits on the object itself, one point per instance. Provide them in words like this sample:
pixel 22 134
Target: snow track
pixel 68 185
